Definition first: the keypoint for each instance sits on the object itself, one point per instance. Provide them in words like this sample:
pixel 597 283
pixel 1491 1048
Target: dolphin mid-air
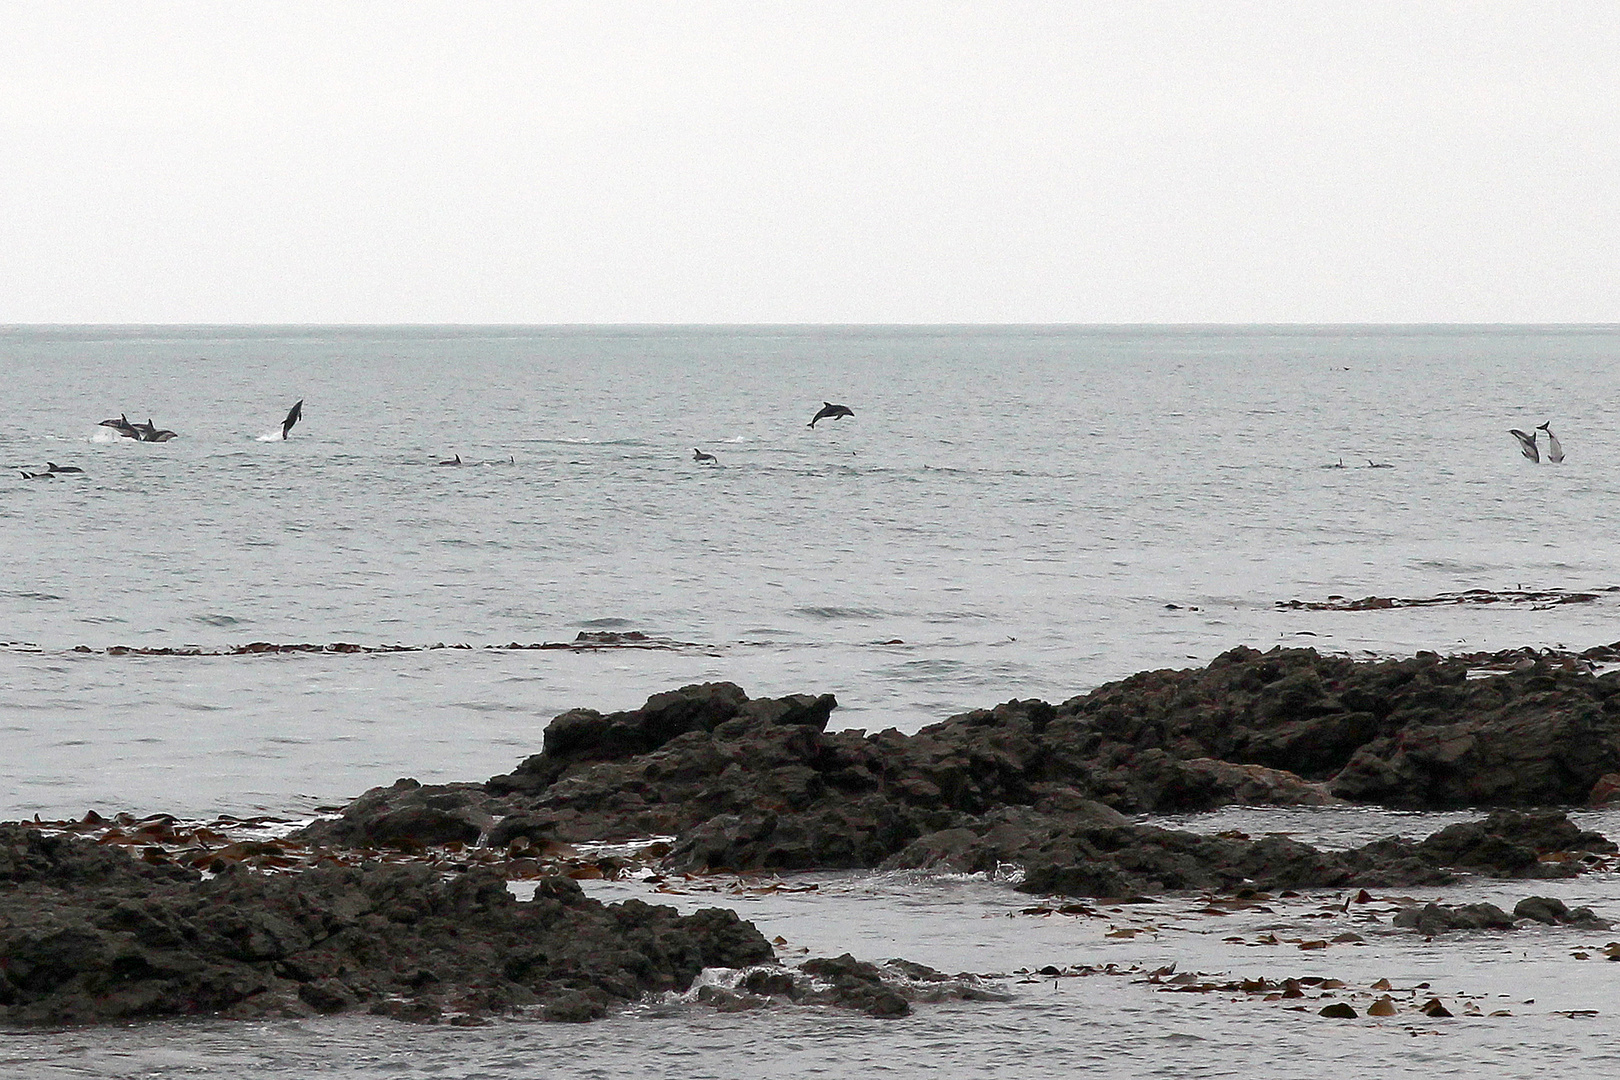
pixel 1527 444
pixel 829 411
pixel 122 425
pixel 294 414
pixel 1555 453
pixel 147 432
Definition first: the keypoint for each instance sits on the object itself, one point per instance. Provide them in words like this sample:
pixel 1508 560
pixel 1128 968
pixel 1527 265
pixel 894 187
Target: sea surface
pixel 1011 512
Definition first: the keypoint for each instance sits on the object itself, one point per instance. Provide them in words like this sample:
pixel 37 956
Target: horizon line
pixel 823 325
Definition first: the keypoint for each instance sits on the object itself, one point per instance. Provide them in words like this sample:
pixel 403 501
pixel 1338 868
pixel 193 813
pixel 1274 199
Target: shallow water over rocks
pixel 1121 1024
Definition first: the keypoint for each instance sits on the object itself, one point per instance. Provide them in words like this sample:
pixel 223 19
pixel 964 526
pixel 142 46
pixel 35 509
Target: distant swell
pixel 840 612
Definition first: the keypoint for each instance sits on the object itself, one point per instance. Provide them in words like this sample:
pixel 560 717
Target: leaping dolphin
pixel 704 459
pixel 1527 444
pixel 294 414
pixel 829 411
pixel 150 432
pixel 1555 453
pixel 122 425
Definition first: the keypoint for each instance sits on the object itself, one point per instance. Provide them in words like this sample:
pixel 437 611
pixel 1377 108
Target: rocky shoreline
pixel 400 906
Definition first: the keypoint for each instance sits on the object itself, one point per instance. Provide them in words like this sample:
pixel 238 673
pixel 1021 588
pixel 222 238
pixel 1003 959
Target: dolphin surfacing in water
pixel 704 459
pixel 829 411
pixel 294 414
pixel 1555 453
pixel 1527 444
pixel 150 432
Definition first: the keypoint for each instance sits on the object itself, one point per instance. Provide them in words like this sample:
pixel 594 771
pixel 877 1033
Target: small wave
pixel 606 624
pixel 570 440
pixel 220 620
pixel 819 612
pixel 912 669
pixel 270 436
pixel 490 706
pixel 736 439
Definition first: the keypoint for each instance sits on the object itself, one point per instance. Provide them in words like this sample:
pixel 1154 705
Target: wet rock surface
pixel 1146 859
pixel 760 784
pixel 1435 918
pixel 885 990
pixel 400 906
pixel 91 935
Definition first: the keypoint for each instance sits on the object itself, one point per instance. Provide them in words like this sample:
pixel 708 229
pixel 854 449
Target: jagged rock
pixel 1090 855
pixel 585 735
pixel 1438 918
pixel 88 935
pixel 761 783
pixel 1510 844
pixel 407 815
pixel 882 990
pixel 1554 912
pixel 855 984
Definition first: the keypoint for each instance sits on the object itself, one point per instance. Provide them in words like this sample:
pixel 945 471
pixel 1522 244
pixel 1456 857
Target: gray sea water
pixel 1011 512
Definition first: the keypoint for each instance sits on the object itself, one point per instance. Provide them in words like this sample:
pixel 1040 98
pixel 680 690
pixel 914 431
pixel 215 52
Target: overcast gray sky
pixel 809 162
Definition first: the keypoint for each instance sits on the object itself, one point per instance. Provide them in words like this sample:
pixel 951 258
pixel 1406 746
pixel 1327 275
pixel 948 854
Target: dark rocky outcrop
pixel 409 815
pixel 761 784
pixel 754 783
pixel 883 990
pixel 90 935
pixel 1438 918
pixel 1554 912
pixel 1416 733
pixel 1511 844
pixel 1143 859
pixel 1433 919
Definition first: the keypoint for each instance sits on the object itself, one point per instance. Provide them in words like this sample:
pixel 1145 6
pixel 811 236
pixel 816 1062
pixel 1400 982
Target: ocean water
pixel 1016 507
pixel 1011 512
